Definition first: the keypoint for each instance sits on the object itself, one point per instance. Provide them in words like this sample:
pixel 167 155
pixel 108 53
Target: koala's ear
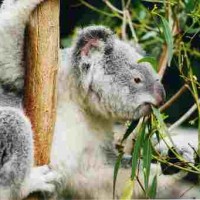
pixel 93 37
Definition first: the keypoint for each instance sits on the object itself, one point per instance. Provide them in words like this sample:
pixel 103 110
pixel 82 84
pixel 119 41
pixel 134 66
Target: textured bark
pixel 41 52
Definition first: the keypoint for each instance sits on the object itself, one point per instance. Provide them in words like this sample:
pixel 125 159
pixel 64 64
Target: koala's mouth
pixel 142 110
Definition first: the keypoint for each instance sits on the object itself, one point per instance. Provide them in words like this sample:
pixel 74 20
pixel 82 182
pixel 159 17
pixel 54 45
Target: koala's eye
pixel 137 80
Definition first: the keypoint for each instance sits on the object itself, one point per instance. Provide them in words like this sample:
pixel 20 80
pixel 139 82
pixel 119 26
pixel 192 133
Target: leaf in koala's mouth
pixel 142 110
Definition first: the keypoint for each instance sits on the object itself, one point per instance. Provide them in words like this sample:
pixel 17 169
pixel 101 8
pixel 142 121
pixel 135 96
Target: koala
pixel 100 83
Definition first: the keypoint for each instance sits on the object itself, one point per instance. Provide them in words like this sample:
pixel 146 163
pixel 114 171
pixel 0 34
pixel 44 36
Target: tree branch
pixel 42 44
pixel 184 117
pixel 174 97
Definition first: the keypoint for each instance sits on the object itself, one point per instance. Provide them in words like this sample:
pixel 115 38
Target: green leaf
pixel 161 127
pixel 130 129
pixel 151 60
pixel 191 30
pixel 136 152
pixel 168 37
pixel 116 169
pixel 153 188
pixel 159 117
pixel 147 155
pixel 190 5
pixel 128 190
pixel 157 114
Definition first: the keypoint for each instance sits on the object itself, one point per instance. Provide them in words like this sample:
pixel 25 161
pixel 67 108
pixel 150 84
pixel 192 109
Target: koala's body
pixel 99 83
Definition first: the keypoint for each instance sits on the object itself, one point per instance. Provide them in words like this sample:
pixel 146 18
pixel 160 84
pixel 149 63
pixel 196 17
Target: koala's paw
pixel 42 179
pixel 184 149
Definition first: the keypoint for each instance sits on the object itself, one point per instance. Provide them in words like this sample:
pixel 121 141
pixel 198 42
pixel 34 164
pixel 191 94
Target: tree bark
pixel 41 53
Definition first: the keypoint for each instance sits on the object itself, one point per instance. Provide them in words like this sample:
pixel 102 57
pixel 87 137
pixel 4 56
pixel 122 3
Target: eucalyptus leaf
pixel 151 60
pixel 116 169
pixel 137 148
pixel 130 129
pixel 168 37
pixel 153 188
pixel 128 190
pixel 147 156
pixel 163 130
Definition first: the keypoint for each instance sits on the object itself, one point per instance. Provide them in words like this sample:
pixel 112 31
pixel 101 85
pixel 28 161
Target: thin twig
pixel 164 56
pixel 131 26
pixel 158 157
pixel 138 180
pixel 174 97
pixel 123 4
pixel 124 22
pixel 98 10
pixel 174 165
pixel 184 117
pixel 112 7
pixel 124 25
pixel 163 61
pixel 128 4
pixel 159 1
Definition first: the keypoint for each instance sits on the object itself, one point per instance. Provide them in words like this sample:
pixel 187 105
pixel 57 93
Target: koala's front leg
pixel 17 177
pixel 41 179
pixel 16 151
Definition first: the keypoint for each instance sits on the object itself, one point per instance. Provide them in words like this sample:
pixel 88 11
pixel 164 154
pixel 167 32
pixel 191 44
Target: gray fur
pixel 16 150
pixel 110 68
pixel 16 142
pixel 99 83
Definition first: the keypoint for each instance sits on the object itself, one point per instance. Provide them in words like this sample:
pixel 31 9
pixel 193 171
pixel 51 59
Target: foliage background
pixel 75 15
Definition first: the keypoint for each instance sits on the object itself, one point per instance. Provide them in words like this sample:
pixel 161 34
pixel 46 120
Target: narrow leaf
pixel 116 169
pixel 147 155
pixel 150 60
pixel 128 190
pixel 161 124
pixel 159 118
pixel 136 151
pixel 168 37
pixel 153 188
pixel 130 129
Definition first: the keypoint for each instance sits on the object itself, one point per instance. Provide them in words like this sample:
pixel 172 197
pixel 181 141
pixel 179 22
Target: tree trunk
pixel 41 52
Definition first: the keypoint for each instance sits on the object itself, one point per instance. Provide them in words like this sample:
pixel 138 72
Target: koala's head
pixel 113 83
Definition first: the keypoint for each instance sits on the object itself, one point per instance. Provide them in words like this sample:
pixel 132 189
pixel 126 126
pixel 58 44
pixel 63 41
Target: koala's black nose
pixel 159 93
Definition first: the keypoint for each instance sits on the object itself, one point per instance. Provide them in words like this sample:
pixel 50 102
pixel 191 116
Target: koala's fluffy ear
pixel 93 37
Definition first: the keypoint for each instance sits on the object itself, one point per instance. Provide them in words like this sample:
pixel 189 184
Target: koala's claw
pixel 45 169
pixel 186 153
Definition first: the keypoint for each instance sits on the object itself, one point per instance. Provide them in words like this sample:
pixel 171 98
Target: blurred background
pixel 77 14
